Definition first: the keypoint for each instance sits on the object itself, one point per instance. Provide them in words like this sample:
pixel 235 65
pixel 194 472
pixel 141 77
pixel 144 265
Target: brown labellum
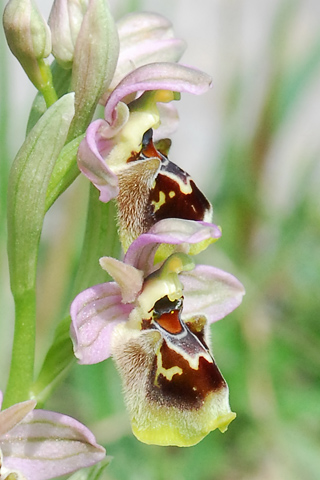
pixel 184 372
pixel 174 391
pixel 153 188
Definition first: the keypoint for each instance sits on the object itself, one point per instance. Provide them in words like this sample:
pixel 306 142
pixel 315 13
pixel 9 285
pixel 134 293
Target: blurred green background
pixel 253 145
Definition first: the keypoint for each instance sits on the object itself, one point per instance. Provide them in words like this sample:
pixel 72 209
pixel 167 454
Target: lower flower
pixel 155 322
pixel 174 391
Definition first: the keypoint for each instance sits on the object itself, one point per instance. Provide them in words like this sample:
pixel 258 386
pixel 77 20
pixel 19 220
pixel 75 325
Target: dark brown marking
pixel 188 206
pixel 183 345
pixel 188 390
pixel 146 324
pixel 149 191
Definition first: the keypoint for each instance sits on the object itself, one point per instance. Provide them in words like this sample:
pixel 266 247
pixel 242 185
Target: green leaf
pixel 27 190
pixel 57 362
pixel 37 110
pixel 4 123
pixel 93 473
pixel 29 178
pixel 61 81
pixel 65 171
pixel 101 239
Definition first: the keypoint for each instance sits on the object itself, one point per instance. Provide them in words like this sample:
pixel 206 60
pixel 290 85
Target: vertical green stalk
pixel 4 114
pixel 47 88
pixel 22 360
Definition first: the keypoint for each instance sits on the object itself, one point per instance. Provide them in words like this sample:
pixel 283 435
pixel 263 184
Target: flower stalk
pixel 46 88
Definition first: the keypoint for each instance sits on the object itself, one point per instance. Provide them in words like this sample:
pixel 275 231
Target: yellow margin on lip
pixel 170 434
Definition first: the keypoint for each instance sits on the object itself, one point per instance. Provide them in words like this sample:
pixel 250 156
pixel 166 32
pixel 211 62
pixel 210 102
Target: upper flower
pixel 115 154
pixel 154 319
pixel 39 445
pixel 119 157
pixel 111 142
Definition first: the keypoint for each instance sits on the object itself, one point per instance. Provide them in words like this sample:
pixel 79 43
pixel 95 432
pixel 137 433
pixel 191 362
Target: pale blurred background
pixel 253 145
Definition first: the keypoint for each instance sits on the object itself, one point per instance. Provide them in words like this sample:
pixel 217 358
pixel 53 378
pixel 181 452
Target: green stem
pixel 22 361
pixel 47 88
pixel 64 172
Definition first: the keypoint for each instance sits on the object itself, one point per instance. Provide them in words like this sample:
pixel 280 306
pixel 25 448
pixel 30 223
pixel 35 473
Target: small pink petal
pixel 174 231
pixel 158 76
pixel 92 164
pixel 13 415
pixel 211 292
pixel 144 38
pixel 94 313
pixel 129 279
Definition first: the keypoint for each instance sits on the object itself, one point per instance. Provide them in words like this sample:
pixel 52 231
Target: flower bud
pixel 28 36
pixel 65 21
pixel 95 58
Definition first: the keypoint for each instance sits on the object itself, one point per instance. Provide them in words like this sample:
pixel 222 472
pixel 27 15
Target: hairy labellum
pixel 153 188
pixel 174 390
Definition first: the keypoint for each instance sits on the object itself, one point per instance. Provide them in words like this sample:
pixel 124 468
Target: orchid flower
pixel 38 444
pixel 118 154
pixel 154 320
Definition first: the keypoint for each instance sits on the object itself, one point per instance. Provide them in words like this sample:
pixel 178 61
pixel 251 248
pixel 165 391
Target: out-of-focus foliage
pixel 262 165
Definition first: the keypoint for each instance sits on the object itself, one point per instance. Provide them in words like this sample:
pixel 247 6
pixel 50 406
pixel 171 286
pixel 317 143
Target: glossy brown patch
pixel 176 203
pixel 150 150
pixel 174 194
pixel 152 188
pixel 189 389
pixel 170 322
pixel 183 371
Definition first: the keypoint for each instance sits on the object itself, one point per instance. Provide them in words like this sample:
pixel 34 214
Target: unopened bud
pixel 65 22
pixel 28 36
pixel 95 59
